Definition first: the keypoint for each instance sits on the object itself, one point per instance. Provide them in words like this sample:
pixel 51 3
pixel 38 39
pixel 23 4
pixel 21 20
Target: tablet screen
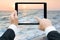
pixel 27 12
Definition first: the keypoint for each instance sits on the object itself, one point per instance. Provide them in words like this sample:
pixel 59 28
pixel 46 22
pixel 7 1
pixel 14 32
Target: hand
pixel 43 23
pixel 14 18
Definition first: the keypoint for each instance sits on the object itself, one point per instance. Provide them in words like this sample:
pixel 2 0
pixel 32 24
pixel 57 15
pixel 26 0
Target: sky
pixel 8 5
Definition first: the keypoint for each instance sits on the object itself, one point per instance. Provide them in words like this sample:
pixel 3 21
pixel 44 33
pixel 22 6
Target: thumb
pixel 12 16
pixel 15 14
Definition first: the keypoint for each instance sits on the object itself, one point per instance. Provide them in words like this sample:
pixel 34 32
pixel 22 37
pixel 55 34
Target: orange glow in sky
pixel 8 5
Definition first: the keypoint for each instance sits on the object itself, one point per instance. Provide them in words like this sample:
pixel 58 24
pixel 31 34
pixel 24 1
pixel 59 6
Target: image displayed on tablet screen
pixel 27 12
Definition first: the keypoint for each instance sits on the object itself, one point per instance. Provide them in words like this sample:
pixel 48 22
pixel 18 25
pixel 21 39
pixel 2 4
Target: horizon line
pixel 13 10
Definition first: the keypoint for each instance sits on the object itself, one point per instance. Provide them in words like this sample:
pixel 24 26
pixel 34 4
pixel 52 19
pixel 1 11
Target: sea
pixel 29 32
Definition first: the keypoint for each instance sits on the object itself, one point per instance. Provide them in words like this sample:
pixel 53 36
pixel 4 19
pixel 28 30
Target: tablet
pixel 26 12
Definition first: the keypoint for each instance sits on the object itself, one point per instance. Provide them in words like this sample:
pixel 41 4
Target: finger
pixel 15 14
pixel 37 18
pixel 12 16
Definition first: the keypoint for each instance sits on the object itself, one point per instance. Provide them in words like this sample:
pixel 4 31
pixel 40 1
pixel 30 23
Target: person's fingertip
pixel 38 18
pixel 15 13
pixel 35 17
